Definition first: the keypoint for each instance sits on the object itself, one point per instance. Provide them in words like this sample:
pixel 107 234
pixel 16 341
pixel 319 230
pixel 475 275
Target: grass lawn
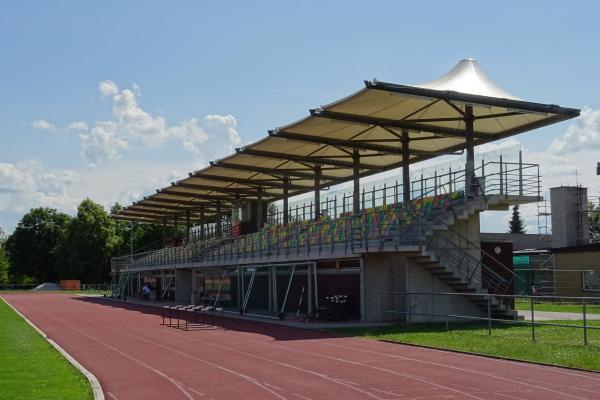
pixel 32 369
pixel 553 345
pixel 525 304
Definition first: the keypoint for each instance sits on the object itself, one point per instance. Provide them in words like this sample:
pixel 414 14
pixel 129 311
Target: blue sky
pixel 184 82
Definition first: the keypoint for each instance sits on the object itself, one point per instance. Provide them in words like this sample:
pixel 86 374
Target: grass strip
pixel 30 368
pixel 553 345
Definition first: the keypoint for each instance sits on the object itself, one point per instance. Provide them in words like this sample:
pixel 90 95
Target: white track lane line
pixel 323 376
pixel 243 376
pixel 112 396
pixel 526 364
pixel 419 379
pixel 108 346
pixel 473 371
pixel 196 392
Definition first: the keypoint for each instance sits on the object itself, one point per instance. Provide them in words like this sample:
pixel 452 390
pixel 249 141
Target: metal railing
pixel 493 178
pixel 412 305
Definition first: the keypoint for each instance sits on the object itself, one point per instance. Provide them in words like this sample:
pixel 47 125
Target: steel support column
pixel 405 168
pixel 188 225
pixel 317 192
pixel 356 181
pixel 259 210
pixel 470 165
pixel 286 182
pixel 218 227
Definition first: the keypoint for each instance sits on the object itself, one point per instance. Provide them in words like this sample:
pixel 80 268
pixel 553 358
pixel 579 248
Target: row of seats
pixel 373 223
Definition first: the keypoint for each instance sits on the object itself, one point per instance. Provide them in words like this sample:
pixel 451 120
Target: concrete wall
pixel 394 272
pixel 383 272
pixel 421 280
pixel 521 241
pixel 570 224
pixel 183 285
pixel 568 279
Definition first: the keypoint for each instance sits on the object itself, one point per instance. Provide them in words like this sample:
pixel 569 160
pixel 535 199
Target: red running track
pixel 134 357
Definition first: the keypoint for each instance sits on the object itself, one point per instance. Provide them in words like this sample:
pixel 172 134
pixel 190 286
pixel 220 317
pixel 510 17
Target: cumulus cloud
pixel 101 143
pixel 582 134
pixel 133 127
pixel 77 126
pixel 43 125
pixel 108 88
pixel 30 184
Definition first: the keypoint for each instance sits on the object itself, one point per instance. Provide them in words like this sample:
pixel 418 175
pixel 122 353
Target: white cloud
pixel 101 143
pixel 43 125
pixel 77 126
pixel 108 88
pixel 30 184
pixel 582 134
pixel 133 127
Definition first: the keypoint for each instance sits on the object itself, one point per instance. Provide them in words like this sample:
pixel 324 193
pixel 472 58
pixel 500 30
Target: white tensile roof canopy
pixel 380 127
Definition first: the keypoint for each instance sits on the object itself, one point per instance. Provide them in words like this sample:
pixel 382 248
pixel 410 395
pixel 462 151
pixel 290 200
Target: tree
pixel 146 237
pixel 4 266
pixel 85 249
pixel 516 224
pixel 30 249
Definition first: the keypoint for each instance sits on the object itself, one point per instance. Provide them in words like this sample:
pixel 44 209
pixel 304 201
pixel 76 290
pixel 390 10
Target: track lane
pixel 291 363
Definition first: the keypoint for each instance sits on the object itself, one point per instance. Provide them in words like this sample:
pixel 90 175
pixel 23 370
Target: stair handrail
pixel 474 245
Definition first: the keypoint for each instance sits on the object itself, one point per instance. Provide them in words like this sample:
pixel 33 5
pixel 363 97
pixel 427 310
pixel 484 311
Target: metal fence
pixel 494 178
pixel 421 306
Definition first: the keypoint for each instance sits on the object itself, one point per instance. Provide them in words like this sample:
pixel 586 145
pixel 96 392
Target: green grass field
pixel 525 304
pixel 32 369
pixel 553 345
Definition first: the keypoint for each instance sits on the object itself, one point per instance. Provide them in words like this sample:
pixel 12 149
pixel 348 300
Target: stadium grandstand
pixel 296 225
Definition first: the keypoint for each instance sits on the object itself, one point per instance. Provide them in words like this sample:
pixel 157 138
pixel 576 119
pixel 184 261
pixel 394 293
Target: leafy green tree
pixel 516 224
pixel 86 247
pixel 30 249
pixel 141 237
pixel 4 266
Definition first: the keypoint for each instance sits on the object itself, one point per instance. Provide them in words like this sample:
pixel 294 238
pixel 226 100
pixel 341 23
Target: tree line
pixel 48 245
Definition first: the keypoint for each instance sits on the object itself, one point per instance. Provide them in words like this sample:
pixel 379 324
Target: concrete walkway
pixel 552 315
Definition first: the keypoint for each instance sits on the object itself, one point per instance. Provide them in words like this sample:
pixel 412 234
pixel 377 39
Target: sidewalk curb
pixel 96 387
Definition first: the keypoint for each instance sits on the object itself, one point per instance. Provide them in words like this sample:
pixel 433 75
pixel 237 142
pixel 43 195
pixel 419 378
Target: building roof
pixel 371 122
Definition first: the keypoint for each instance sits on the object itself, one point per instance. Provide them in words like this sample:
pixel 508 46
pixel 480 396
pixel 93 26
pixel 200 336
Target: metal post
pixel 435 183
pixel 259 210
pixel 317 192
pixel 218 227
pixel 470 165
pixel 164 231
pixel 585 338
pixel 188 225
pixel 449 179
pixel 286 181
pixel 501 180
pixel 520 173
pixel 405 168
pixel 532 320
pixel 489 314
pixel 356 181
pixel 422 188
pixel 408 308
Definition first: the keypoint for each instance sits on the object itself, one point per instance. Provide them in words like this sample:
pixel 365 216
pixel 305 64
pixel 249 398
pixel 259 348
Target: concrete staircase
pixel 459 265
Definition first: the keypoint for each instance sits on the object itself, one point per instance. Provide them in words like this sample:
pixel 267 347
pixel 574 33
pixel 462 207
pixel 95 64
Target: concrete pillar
pixel 183 285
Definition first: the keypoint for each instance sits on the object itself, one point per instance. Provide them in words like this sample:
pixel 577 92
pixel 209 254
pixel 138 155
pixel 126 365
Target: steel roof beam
pixel 309 159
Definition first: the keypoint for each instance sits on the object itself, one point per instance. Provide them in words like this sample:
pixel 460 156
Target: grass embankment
pixel 525 304
pixel 30 368
pixel 553 345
